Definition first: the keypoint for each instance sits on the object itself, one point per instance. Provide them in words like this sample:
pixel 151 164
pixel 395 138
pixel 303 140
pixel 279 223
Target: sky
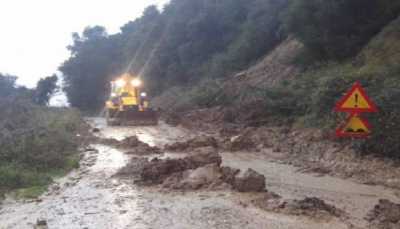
pixel 34 33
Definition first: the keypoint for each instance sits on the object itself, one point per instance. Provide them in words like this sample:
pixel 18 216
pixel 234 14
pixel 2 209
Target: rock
pixel 385 214
pixel 197 142
pixel 229 174
pixel 203 176
pixel 157 170
pixel 241 142
pixel 203 156
pixel 310 206
pixel 134 167
pixel 108 141
pixel 95 130
pixel 130 142
pixel 250 181
pixel 144 149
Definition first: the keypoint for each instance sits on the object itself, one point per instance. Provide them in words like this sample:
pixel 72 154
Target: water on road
pixel 91 197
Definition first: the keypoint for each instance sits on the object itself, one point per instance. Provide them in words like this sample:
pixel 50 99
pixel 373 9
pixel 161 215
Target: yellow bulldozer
pixel 128 105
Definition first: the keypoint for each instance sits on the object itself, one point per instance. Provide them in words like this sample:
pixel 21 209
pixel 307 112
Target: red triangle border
pixel 357 85
pixel 341 133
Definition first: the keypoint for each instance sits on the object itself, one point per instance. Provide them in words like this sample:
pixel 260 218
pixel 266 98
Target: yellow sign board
pixel 356 101
pixel 354 127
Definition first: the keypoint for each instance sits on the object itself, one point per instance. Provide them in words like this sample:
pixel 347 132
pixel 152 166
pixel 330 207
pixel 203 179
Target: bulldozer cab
pixel 128 104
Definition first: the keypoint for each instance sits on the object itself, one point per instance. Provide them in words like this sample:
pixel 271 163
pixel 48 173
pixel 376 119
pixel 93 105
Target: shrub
pixel 35 142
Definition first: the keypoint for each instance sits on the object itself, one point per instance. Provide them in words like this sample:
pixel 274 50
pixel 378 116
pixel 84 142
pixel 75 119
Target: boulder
pixel 241 142
pixel 250 181
pixel 385 212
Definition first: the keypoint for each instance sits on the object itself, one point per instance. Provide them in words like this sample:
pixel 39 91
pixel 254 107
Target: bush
pixel 35 142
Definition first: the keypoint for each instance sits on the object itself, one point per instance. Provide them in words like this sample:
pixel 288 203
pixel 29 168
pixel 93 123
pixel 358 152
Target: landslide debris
pixel 310 206
pixel 250 181
pixel 385 215
pixel 133 144
pixel 201 170
pixel 157 170
pixel 191 144
pixel 239 143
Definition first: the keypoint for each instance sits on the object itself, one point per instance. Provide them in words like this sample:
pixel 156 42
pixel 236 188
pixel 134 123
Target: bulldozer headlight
pixel 143 94
pixel 136 82
pixel 120 83
pixel 113 94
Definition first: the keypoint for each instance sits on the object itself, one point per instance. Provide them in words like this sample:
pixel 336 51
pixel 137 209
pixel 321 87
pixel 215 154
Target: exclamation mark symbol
pixel 356 97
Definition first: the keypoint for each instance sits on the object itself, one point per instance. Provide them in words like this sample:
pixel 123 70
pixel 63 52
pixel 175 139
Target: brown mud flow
pixel 94 196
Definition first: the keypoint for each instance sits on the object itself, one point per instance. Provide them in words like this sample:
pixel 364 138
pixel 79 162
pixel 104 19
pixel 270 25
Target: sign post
pixel 355 102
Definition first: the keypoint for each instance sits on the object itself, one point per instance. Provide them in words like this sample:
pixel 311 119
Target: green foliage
pixel 45 89
pixel 337 29
pixel 180 46
pixel 35 144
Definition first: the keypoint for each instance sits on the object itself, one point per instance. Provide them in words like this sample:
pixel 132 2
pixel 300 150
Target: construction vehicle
pixel 128 104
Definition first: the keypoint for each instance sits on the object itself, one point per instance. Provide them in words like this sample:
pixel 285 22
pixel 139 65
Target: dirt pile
pixel 314 151
pixel 156 171
pixel 107 141
pixel 208 176
pixel 201 170
pixel 385 215
pixel 250 181
pixel 191 144
pixel 133 144
pixel 238 143
pixel 310 207
pixel 133 168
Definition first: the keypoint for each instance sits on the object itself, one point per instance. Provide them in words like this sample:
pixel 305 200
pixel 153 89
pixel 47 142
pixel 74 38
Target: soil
pixel 191 144
pixel 201 170
pixel 102 195
pixel 385 215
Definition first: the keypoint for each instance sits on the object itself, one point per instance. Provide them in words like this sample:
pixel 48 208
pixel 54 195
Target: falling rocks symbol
pixel 355 102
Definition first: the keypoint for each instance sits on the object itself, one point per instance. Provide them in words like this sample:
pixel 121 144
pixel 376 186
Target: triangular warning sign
pixel 355 126
pixel 356 101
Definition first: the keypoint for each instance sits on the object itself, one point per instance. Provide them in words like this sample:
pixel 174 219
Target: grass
pixel 30 193
pixel 30 183
pixel 39 146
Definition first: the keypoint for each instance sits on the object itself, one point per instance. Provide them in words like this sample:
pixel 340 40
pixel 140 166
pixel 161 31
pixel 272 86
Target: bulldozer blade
pixel 133 118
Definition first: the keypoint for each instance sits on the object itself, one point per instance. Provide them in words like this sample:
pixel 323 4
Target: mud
pixel 240 142
pixel 206 177
pixel 310 206
pixel 132 144
pixel 250 181
pixel 385 215
pixel 157 170
pixel 191 144
pixel 201 170
pixel 93 197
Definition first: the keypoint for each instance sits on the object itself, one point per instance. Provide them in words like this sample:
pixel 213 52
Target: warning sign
pixel 356 101
pixel 355 126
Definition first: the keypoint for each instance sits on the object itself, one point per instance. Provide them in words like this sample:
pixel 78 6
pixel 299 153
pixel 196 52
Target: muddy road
pixel 91 197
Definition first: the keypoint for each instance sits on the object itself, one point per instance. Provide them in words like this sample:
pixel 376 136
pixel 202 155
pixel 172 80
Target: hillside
pixel 277 90
pixel 268 62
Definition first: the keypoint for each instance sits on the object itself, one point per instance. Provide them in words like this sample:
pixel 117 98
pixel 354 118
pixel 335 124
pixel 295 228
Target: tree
pixel 45 89
pixel 7 85
pixel 178 46
pixel 338 29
